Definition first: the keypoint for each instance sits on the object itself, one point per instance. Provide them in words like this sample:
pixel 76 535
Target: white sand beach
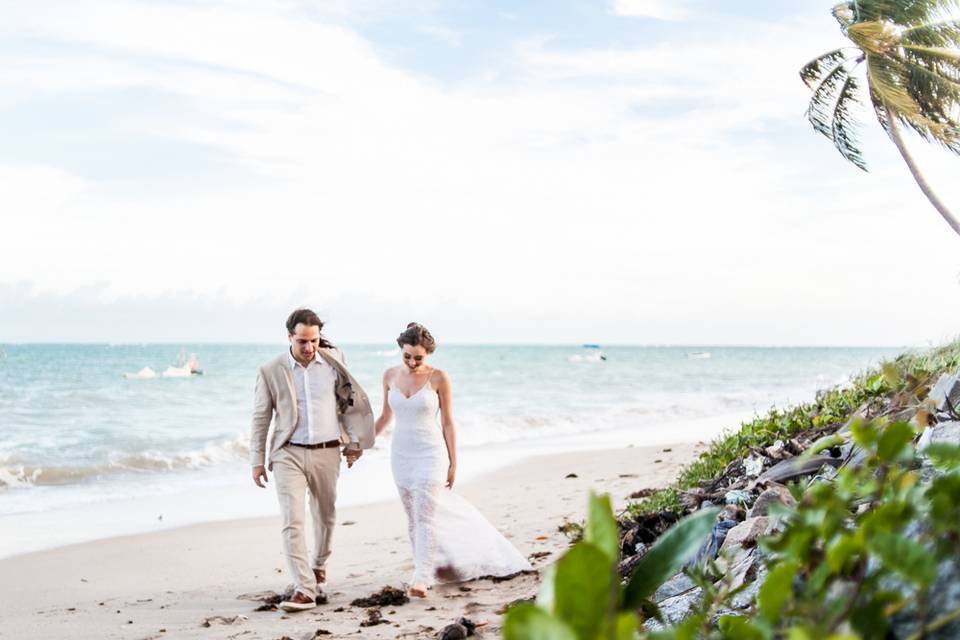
pixel 167 584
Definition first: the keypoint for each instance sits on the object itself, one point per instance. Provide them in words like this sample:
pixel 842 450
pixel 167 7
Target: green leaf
pixel 864 433
pixel 893 440
pixel 668 554
pixel 904 556
pixel 739 628
pixel 584 587
pixel 601 528
pixel 777 589
pixel 944 456
pixel 527 622
pixel 842 551
pixel 626 626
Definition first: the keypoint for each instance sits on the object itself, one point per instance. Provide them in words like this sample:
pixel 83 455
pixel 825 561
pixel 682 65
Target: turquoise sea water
pixel 73 429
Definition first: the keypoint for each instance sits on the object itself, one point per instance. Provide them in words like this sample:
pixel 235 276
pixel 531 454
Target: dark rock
pixel 459 630
pixel 571 475
pixel 388 596
pixel 710 548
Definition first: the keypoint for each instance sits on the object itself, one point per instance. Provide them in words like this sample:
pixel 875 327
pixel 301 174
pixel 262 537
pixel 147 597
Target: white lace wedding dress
pixel 449 536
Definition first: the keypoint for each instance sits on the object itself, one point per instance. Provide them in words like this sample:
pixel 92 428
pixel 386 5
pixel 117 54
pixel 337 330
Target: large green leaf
pixel 893 440
pixel 527 622
pixel 670 552
pixel 905 556
pixel 777 589
pixel 601 528
pixel 584 589
pixel 739 628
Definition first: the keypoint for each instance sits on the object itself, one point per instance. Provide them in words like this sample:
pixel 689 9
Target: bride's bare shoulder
pixel 439 377
pixel 389 374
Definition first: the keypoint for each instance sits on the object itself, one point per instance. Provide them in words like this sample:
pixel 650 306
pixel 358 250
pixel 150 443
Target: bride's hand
pixel 451 474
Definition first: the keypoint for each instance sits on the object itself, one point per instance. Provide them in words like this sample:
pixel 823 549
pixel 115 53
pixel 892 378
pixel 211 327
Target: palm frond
pixel 944 63
pixel 892 84
pixel 945 33
pixel 814 71
pixel 844 124
pixel 831 112
pixel 902 12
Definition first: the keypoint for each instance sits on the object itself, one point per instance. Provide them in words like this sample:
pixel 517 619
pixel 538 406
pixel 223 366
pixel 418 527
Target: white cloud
pixel 630 191
pixel 658 9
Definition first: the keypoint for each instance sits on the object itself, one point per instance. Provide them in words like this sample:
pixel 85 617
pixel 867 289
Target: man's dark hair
pixel 309 318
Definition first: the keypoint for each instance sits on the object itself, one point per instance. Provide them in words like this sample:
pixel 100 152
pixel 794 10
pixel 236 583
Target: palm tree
pixel 910 50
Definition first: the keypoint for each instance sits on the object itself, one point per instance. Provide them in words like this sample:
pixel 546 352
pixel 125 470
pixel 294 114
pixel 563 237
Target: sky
pixel 609 171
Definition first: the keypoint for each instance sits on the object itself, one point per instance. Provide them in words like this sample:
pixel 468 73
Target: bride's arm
pixel 445 390
pixel 386 414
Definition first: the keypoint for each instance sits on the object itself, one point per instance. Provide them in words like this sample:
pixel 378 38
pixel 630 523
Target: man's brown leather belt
pixel 319 445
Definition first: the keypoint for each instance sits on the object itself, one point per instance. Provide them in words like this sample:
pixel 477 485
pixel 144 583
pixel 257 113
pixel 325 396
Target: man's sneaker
pixel 299 602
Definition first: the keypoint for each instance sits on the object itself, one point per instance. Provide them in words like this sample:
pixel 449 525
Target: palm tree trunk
pixel 921 181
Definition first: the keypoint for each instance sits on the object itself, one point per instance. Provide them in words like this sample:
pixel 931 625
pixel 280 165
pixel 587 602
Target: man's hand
pixel 260 473
pixel 352 455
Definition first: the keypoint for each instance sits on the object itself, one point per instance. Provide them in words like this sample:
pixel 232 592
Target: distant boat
pixel 591 346
pixel 699 355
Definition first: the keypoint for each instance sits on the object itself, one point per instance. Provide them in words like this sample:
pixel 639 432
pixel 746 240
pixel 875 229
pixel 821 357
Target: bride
pixel 452 541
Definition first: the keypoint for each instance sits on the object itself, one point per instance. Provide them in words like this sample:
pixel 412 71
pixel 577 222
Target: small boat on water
pixel 699 355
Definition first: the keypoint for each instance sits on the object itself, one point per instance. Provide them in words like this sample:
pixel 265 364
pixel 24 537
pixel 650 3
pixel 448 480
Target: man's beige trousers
pixel 296 471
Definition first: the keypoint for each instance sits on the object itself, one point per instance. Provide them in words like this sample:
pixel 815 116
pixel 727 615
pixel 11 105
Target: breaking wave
pixel 21 476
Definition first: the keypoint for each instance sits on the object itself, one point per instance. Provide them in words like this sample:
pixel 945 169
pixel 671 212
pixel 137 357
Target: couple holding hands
pixel 317 407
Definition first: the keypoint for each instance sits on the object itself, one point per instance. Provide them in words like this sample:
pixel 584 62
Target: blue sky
pixel 633 171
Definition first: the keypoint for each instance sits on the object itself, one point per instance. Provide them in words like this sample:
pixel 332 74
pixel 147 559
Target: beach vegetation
pixel 909 55
pixel 831 409
pixel 857 556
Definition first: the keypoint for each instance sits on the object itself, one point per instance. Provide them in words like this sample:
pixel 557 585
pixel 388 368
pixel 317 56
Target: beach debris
pixel 347 523
pixel 503 609
pixel 319 633
pixel 573 530
pixel 738 496
pixel 459 630
pixel 374 617
pixel 667 450
pixel 570 475
pixel 794 468
pixel 641 493
pixel 226 620
pixel 387 596
pixel 539 555
pixel 506 578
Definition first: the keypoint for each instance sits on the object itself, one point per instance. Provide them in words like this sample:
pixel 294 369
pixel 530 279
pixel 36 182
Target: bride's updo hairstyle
pixel 416 335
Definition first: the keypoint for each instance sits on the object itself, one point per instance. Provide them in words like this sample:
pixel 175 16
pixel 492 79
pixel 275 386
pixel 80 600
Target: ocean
pixel 86 452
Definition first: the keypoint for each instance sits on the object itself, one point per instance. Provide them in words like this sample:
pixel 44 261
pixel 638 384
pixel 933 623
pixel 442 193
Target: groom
pixel 316 406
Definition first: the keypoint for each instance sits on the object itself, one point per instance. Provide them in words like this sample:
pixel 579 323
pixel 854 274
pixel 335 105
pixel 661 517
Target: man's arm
pixel 259 427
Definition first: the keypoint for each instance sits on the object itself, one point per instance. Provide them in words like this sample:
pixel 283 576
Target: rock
pixel 710 548
pixel 745 533
pixel 774 494
pixel 946 433
pixel 797 468
pixel 675 586
pixel 459 630
pixel 945 394
pixel 678 607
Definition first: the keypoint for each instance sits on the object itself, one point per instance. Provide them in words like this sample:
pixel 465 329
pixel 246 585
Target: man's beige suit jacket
pixel 275 399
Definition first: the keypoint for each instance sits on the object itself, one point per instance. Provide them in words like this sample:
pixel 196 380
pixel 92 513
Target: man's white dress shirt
pixel 317 419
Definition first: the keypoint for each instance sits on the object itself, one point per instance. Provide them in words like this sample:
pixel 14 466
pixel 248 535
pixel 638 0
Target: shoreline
pixel 195 498
pixel 133 586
